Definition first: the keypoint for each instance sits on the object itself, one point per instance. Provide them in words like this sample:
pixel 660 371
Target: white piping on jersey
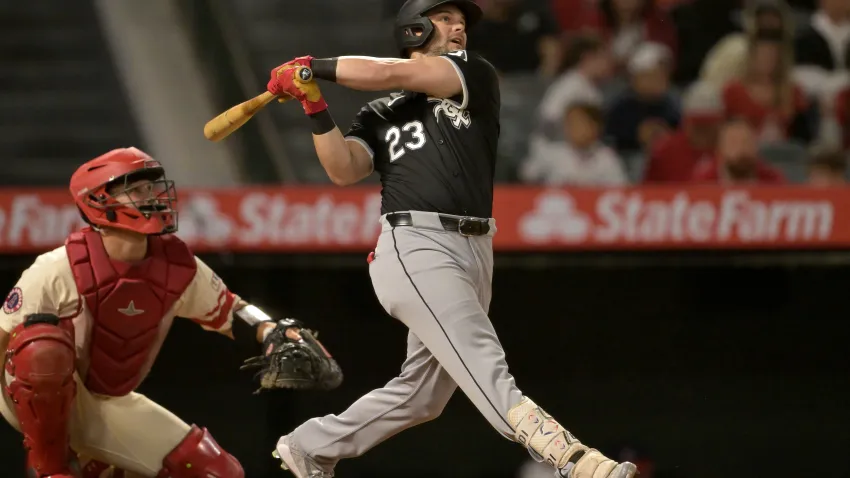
pixel 394 99
pixel 366 147
pixel 462 83
pixel 377 113
pixel 362 143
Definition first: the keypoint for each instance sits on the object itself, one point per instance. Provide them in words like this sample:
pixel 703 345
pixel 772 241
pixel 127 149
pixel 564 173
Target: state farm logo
pixel 27 221
pixel 626 216
pixel 262 219
pixel 555 217
pixel 201 219
pixel 280 219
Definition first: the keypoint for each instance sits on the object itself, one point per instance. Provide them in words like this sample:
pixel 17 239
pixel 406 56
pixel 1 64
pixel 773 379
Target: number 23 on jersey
pixel 413 135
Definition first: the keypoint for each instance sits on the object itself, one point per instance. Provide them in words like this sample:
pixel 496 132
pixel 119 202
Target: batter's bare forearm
pixel 343 167
pixel 431 75
pixel 367 73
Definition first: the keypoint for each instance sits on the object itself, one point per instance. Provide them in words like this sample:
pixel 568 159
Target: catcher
pixel 85 322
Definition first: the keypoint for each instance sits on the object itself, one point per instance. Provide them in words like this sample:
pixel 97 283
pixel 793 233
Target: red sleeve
pixel 841 105
pixel 573 15
pixel 705 171
pixel 732 98
pixel 656 159
pixel 769 174
pixel 592 19
pixel 801 103
pixel 660 28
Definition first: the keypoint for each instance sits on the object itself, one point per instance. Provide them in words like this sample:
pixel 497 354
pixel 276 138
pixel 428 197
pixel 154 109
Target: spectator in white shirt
pixel 581 160
pixel 588 63
pixel 822 49
pixel 727 60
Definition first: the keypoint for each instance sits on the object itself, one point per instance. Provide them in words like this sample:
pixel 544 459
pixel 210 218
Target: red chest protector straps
pixel 127 304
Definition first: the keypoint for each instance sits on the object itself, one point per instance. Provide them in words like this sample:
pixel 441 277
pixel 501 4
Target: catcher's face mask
pixel 126 189
pixel 146 195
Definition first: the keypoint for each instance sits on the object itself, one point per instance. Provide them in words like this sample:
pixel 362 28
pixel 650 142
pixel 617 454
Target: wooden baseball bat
pixel 226 123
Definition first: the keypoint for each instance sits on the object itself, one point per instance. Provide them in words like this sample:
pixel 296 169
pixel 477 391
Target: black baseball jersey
pixel 436 154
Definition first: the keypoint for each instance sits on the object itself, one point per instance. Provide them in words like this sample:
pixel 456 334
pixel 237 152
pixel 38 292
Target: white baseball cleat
pixel 296 461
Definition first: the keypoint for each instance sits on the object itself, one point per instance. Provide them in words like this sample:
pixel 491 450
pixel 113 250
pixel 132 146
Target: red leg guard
pixel 199 456
pixel 41 357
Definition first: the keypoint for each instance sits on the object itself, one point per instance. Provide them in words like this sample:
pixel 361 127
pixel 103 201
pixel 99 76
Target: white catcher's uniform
pixel 131 431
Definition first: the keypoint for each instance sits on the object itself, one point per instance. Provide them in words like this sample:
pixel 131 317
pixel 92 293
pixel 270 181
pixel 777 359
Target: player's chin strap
pixel 548 441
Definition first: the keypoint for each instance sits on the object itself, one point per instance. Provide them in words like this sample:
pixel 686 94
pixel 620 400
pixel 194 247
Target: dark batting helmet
pixel 411 19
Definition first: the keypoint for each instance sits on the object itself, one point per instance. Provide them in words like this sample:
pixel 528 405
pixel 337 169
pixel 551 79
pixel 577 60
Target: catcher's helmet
pixel 126 189
pixel 411 19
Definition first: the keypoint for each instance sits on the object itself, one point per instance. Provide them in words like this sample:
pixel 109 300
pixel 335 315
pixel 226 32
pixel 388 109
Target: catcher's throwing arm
pixel 292 357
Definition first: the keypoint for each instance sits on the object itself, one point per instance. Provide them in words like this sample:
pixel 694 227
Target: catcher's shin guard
pixel 548 441
pixel 199 456
pixel 41 357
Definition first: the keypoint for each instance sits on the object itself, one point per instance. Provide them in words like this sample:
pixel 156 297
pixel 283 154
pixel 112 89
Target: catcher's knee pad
pixel 41 357
pixel 199 456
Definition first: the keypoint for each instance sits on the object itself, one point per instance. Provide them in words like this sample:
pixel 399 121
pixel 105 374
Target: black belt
pixel 465 226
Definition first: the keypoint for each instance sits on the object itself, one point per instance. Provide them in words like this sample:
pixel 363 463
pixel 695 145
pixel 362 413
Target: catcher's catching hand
pixel 293 358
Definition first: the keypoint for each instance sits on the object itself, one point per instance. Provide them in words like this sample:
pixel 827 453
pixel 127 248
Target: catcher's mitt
pixel 293 358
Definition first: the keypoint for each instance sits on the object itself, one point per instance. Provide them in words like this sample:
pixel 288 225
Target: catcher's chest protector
pixel 126 304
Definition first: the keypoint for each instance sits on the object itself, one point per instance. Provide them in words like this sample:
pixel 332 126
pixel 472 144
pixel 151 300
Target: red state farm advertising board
pixel 673 218
pixel 331 219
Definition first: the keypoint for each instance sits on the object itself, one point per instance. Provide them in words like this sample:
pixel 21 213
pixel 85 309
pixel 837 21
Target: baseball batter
pixel 434 145
pixel 85 322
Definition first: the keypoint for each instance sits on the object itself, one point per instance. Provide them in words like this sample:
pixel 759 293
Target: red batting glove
pixel 285 82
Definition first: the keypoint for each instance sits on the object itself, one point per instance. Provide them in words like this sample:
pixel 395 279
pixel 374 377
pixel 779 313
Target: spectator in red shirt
pixel 571 14
pixel 737 159
pixel 766 95
pixel 673 157
pixel 628 23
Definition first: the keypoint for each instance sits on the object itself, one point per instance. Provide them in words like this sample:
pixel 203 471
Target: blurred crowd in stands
pixel 671 91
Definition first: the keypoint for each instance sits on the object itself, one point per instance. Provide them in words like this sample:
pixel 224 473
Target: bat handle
pixel 303 76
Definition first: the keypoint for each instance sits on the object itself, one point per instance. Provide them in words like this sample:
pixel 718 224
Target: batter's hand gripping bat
pixel 222 125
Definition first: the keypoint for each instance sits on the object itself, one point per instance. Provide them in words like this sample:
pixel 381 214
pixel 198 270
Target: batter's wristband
pixel 323 122
pixel 324 68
